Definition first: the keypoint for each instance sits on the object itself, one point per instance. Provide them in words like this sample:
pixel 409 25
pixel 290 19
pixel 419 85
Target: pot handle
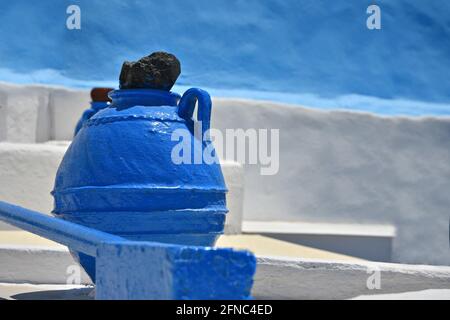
pixel 186 107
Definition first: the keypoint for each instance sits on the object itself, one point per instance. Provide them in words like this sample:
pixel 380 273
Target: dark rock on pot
pixel 159 71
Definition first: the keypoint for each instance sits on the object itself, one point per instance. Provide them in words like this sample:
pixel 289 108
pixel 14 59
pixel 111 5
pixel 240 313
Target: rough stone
pixel 159 70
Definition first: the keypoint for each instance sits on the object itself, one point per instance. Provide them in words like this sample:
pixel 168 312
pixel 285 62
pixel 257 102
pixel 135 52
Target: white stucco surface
pixel 28 291
pixel 67 106
pixel 37 264
pixel 348 167
pixel 367 241
pixel 430 294
pixel 334 166
pixel 316 228
pixel 3 110
pixel 27 173
pixel 24 113
pixel 291 278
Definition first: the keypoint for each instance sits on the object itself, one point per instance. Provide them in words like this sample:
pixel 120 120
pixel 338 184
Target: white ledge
pixel 284 227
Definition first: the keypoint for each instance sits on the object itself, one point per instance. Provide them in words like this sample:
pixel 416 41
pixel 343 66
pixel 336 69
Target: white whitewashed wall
pixel 335 166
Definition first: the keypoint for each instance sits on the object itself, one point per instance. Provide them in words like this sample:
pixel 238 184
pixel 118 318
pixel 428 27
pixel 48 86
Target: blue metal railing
pixel 70 234
pixel 145 270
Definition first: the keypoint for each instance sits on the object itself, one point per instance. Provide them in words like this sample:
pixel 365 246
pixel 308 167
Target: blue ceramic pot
pixel 96 106
pixel 118 175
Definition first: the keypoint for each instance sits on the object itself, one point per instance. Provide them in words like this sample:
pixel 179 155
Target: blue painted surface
pixel 96 106
pixel 118 174
pixel 319 53
pixel 145 270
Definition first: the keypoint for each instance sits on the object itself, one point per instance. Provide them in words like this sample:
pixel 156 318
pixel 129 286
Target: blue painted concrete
pixel 318 52
pixel 145 270
pixel 176 272
pixel 118 174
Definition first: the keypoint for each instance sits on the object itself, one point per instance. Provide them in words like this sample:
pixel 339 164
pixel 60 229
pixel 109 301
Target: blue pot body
pixel 96 106
pixel 118 174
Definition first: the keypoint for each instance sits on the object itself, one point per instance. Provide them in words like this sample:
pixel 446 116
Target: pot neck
pixel 143 97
